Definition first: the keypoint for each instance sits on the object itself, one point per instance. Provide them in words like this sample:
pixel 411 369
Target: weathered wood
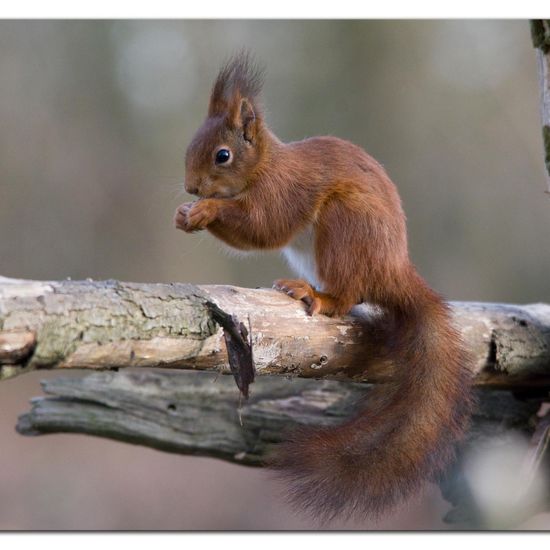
pixel 16 346
pixel 109 324
pixel 189 413
pixel 197 414
pixel 540 33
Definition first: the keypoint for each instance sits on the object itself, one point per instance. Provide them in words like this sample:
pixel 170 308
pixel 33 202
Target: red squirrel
pixel 337 217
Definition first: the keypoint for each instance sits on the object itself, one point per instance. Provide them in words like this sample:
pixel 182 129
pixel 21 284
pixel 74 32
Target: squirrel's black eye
pixel 222 156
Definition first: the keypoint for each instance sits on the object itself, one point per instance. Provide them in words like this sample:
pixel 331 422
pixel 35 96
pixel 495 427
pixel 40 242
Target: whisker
pixel 174 189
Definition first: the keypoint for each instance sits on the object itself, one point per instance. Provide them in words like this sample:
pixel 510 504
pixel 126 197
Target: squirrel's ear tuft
pixel 239 78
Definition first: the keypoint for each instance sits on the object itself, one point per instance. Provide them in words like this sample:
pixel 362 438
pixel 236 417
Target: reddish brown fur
pixel 263 198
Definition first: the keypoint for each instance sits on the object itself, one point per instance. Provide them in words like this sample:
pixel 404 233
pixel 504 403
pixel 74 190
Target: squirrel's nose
pixel 192 188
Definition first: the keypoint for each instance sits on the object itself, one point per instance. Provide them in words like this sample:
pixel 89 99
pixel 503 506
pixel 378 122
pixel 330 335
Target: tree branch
pixel 198 414
pixel 540 33
pixel 109 324
pixel 167 410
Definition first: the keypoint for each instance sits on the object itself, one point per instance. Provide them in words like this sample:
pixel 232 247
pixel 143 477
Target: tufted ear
pixel 246 119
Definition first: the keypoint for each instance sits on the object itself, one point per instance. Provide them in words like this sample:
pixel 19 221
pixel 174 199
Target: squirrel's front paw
pixel 181 216
pixel 194 216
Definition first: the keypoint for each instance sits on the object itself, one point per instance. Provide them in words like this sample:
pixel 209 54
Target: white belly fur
pixel 300 256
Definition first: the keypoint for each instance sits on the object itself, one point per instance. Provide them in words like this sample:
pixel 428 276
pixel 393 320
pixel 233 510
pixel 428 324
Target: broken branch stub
pixel 239 347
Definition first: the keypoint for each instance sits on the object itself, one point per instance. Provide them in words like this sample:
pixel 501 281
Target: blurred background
pixel 95 117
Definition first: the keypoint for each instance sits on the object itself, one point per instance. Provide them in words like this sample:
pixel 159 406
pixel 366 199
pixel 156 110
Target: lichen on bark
pixel 78 313
pixel 540 34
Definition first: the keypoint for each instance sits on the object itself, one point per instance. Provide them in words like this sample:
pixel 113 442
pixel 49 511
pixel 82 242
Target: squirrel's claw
pixel 300 290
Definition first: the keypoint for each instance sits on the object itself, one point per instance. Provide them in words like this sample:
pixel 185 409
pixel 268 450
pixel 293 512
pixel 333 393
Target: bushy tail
pixel 402 436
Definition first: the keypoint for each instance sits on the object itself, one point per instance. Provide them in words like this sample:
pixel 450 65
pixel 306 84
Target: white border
pixel 273 541
pixel 287 9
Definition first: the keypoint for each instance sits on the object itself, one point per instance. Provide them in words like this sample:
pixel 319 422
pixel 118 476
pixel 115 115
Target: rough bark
pixel 540 32
pixel 109 324
pixel 201 413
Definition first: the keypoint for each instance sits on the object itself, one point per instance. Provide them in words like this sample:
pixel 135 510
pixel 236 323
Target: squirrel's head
pixel 225 151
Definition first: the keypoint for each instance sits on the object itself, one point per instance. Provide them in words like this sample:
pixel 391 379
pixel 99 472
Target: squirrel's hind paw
pixel 300 290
